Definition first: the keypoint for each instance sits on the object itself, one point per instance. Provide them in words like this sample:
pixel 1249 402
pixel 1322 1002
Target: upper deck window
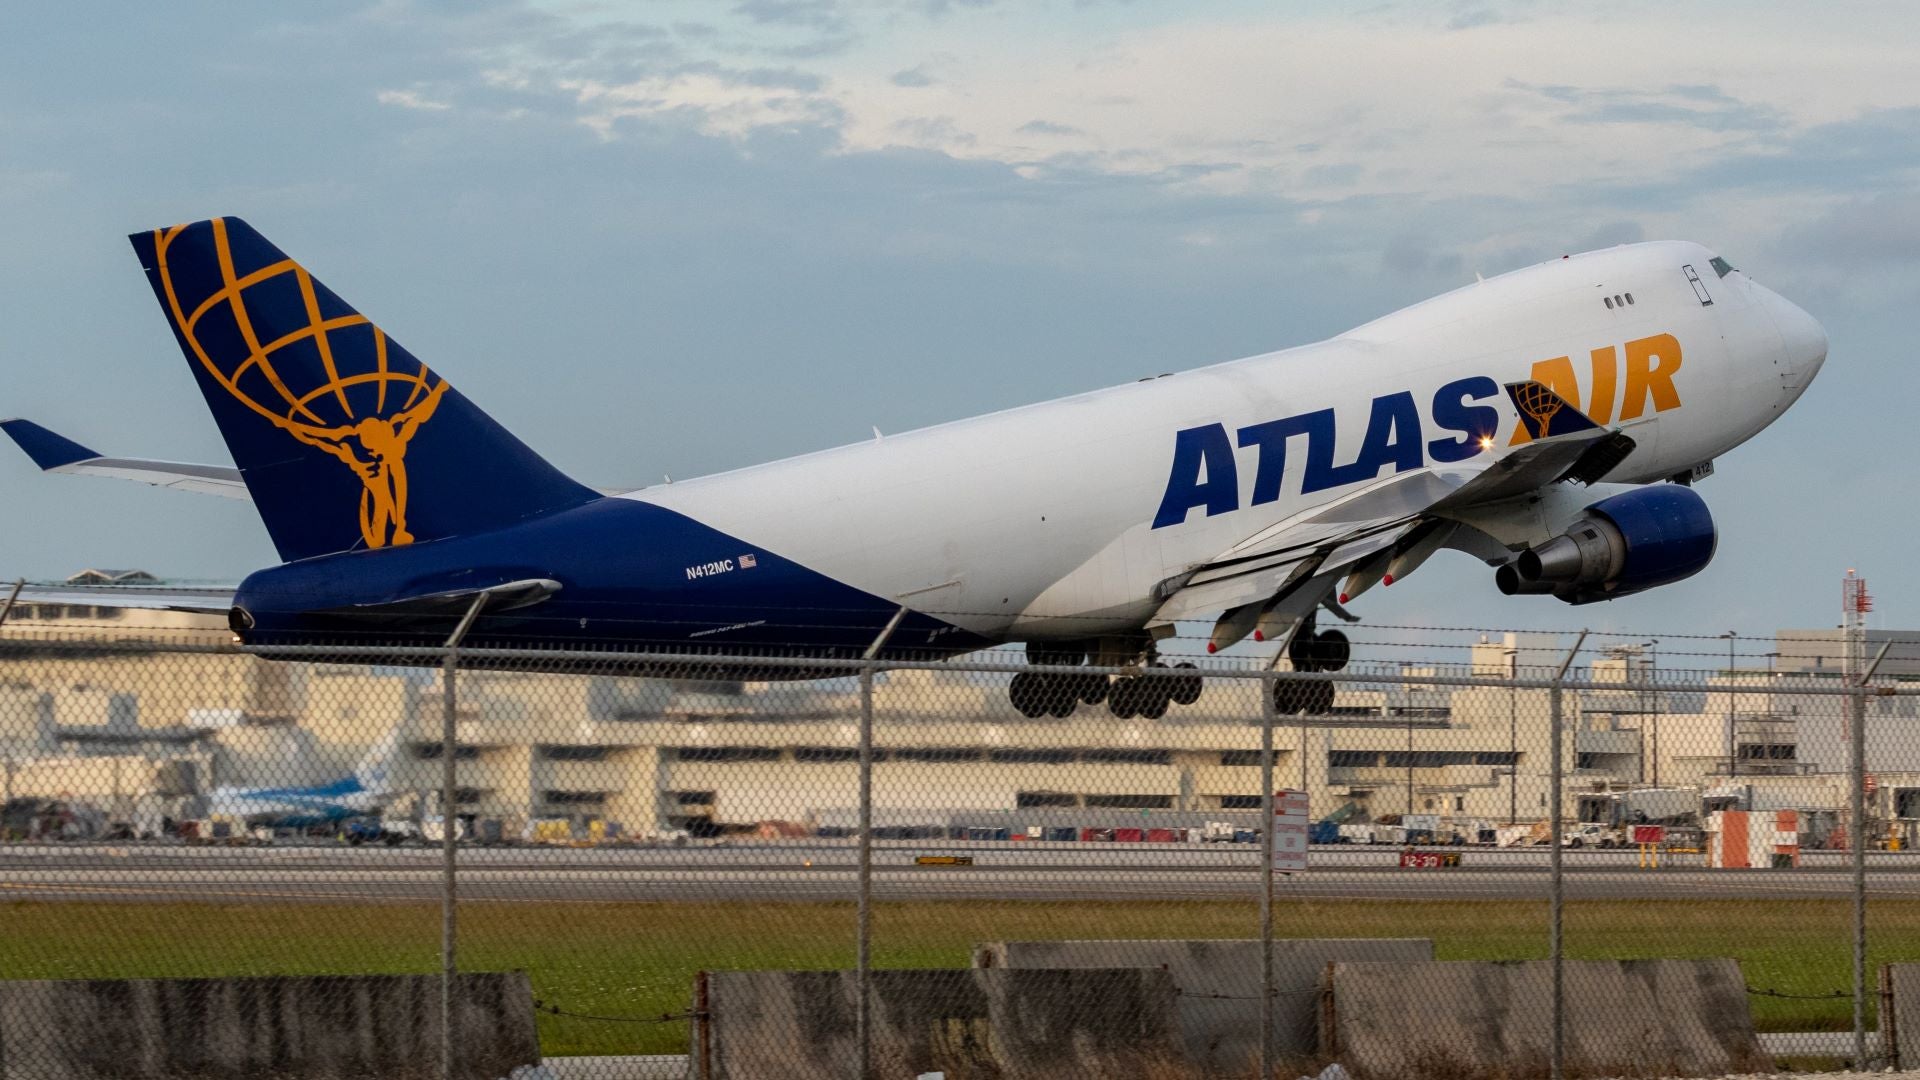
pixel 1721 266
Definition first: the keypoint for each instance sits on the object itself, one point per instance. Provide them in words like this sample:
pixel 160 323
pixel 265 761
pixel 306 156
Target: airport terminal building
pixel 143 735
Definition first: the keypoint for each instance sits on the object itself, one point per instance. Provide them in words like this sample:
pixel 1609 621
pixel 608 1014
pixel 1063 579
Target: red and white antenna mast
pixel 1855 603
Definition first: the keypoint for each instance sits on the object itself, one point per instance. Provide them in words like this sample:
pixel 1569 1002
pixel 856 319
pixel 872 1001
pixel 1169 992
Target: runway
pixel 816 871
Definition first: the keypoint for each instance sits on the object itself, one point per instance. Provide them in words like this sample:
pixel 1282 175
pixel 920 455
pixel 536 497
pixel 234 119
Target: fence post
pixel 863 916
pixel 1267 710
pixel 1556 899
pixel 449 786
pixel 863 972
pixel 1857 803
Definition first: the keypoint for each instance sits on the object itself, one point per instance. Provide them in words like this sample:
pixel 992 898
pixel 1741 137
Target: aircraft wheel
pixel 1124 699
pixel 1186 688
pixel 1331 651
pixel 1292 696
pixel 1154 699
pixel 1062 695
pixel 1093 688
pixel 1025 693
pixel 1321 702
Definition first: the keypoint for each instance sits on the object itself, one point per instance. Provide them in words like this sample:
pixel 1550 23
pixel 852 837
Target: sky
pixel 674 238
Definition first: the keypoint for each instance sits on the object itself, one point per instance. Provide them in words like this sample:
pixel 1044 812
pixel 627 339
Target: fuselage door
pixel 1699 287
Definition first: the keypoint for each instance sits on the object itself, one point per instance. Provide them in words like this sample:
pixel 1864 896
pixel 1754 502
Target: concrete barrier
pixel 1472 1018
pixel 1900 1013
pixel 1010 1025
pixel 1218 983
pixel 319 1027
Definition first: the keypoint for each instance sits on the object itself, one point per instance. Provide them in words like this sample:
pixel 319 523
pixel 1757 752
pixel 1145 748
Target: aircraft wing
pixel 1306 554
pixel 57 453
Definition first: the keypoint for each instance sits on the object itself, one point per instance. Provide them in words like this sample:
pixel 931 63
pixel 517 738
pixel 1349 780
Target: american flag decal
pixel 748 562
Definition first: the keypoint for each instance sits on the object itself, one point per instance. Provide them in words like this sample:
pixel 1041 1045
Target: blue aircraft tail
pixel 344 439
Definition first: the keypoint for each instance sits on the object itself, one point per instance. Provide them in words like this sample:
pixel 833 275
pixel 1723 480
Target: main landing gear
pixel 1149 694
pixel 1326 650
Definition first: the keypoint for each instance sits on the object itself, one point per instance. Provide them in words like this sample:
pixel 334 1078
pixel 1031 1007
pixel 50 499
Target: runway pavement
pixel 826 870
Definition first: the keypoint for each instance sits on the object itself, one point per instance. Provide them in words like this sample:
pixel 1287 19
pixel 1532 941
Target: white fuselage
pixel 1040 521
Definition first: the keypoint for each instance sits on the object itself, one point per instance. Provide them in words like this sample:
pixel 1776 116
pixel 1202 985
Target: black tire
pixel 1291 696
pixel 1300 650
pixel 1061 693
pixel 1025 693
pixel 1321 703
pixel 1123 700
pixel 1331 651
pixel 1155 696
pixel 1093 688
pixel 1186 688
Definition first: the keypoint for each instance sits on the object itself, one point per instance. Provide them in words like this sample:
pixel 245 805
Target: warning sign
pixel 1289 831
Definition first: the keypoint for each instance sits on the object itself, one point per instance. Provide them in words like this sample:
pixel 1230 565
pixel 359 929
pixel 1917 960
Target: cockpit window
pixel 1721 266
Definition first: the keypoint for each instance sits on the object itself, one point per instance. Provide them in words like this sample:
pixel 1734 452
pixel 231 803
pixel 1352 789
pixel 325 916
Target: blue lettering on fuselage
pixel 1206 474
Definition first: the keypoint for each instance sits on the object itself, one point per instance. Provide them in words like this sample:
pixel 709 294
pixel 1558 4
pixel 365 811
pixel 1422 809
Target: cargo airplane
pixel 1549 422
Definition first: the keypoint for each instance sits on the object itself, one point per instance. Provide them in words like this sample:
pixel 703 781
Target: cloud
pixel 1412 255
pixel 1706 107
pixel 1047 127
pixel 1876 230
pixel 1474 18
pixel 813 14
pixel 410 99
pixel 911 77
pixel 1611 234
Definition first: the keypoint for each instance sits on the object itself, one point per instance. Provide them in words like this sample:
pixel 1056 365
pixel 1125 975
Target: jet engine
pixel 1620 545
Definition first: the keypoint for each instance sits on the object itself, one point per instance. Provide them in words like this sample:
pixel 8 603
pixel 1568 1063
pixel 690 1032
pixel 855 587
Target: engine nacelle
pixel 1621 545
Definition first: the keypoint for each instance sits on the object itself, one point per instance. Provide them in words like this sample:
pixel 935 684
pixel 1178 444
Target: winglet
pixel 48 450
pixel 1544 413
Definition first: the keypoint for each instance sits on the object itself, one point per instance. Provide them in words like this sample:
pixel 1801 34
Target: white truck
pixel 1591 834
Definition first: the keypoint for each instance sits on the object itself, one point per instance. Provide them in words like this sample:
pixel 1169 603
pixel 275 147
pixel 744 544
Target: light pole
pixel 1513 741
pixel 1647 676
pixel 1733 741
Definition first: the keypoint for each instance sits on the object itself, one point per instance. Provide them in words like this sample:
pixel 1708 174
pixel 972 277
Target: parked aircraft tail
pixel 344 439
pixel 375 770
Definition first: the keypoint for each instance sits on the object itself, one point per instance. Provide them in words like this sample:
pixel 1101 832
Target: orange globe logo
pixel 295 379
pixel 1540 404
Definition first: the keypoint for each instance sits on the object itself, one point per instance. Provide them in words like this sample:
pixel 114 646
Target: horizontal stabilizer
pixel 207 600
pixel 57 453
pixel 1546 414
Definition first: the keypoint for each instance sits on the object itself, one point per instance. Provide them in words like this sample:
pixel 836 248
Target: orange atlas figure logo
pixel 294 379
pixel 1651 363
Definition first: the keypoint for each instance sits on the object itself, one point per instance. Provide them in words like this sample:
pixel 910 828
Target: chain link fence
pixel 1461 853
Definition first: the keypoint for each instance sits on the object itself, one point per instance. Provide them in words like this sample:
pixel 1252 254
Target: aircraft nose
pixel 1802 337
